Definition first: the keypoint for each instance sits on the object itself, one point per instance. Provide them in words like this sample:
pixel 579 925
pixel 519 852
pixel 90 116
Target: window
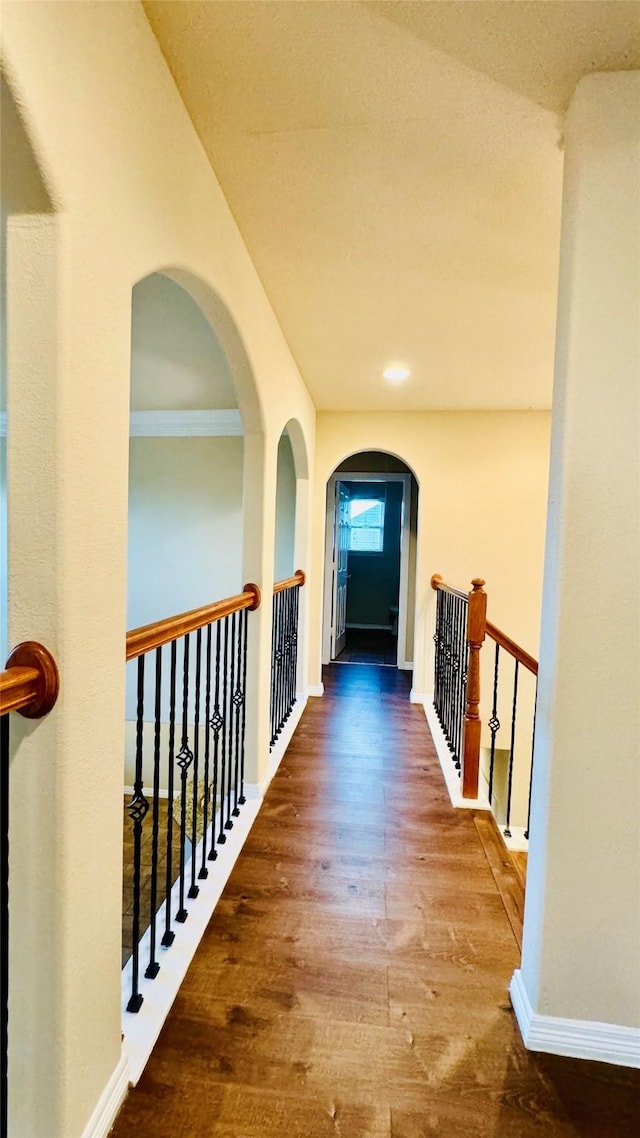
pixel 366 525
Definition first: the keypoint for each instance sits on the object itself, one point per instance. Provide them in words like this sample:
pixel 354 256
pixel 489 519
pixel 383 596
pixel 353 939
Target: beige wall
pixel 482 504
pixel 581 951
pixel 185 524
pixel 285 534
pixel 133 194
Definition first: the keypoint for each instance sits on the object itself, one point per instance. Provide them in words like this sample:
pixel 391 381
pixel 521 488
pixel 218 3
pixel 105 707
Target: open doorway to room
pixel 371 527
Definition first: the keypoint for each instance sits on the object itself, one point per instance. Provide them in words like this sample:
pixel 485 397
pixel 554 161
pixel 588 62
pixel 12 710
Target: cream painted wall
pixel 185 524
pixel 176 360
pixel 285 512
pixel 133 194
pixel 482 505
pixel 583 877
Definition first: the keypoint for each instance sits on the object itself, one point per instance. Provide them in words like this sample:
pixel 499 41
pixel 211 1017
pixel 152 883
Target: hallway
pixel 353 980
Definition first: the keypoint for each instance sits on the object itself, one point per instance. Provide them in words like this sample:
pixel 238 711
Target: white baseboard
pixel 279 748
pixel 141 1029
pixel 447 765
pixel 575 1038
pixel 109 1103
pixel 315 689
pixel 418 697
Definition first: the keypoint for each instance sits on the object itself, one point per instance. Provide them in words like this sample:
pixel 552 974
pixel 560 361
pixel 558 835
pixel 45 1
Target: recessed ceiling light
pixel 395 373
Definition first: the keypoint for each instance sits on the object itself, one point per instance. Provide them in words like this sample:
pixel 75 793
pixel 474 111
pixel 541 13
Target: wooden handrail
pixel 512 648
pixel 438 583
pixel 31 682
pixel 150 636
pixel 299 578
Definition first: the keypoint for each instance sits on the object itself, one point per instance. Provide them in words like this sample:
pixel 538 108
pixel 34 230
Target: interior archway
pixel 370 561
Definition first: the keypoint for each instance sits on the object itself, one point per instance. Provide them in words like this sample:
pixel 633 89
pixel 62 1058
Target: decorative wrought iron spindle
pixel 494 722
pixel 215 726
pixel 194 889
pixel 284 655
pixel 153 966
pixel 450 671
pixel 533 747
pixel 514 715
pixel 184 760
pixel 137 809
pixel 245 627
pixel 238 701
pixel 222 837
pixel 203 872
pixel 168 936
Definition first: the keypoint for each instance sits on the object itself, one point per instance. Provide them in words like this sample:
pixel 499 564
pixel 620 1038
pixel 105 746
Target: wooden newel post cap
pixel 436 580
pixel 478 583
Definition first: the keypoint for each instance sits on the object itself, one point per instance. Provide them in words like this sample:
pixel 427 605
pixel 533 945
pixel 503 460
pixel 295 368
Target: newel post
pixel 476 630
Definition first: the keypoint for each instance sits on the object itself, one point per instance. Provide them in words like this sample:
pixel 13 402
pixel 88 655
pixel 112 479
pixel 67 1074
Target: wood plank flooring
pixel 353 980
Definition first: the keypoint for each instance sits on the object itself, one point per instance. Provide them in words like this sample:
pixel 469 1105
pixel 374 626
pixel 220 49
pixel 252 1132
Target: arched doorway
pixel 370 553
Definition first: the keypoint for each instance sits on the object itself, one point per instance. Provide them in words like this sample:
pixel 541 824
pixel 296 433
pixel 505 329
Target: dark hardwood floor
pixel 369 646
pixel 353 980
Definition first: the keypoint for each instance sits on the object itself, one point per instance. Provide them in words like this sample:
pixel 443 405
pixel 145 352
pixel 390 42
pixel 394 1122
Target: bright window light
pixel 366 529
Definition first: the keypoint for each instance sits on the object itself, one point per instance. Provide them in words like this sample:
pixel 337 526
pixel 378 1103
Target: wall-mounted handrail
pixel 30 683
pixel 149 636
pixel 512 648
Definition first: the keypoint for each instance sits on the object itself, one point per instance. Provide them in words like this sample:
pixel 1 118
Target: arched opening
pixel 190 480
pixel 370 561
pixel 186 458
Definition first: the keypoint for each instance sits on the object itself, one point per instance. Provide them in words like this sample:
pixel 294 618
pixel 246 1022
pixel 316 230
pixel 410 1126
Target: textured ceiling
pixel 395 171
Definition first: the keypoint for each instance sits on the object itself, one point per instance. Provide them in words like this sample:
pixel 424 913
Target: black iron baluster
pixel 203 871
pixel 456 665
pixel 168 936
pixel 437 640
pixel 514 712
pixel 215 725
pixel 238 700
pixel 184 760
pixel 494 722
pixel 443 669
pixel 222 837
pixel 230 738
pixel 245 627
pixel 193 888
pixel 272 704
pixel 153 966
pixel 4 911
pixel 137 810
pixel 294 653
pixel 282 661
pixel 533 745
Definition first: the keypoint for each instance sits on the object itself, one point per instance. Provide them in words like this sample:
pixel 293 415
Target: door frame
pixel 403 596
